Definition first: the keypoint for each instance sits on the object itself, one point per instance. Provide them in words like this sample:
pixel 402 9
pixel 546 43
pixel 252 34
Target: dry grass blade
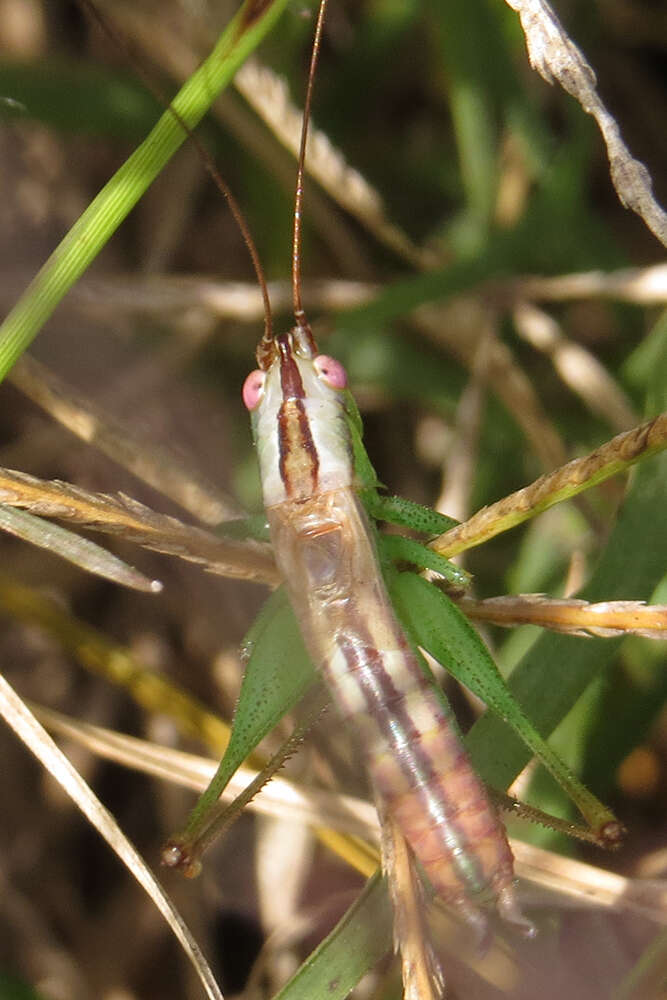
pixel 580 474
pixel 80 551
pixel 351 816
pixel 25 725
pixel 280 797
pixel 577 367
pixel 134 522
pixel 555 56
pixel 167 295
pixel 422 975
pixel 459 328
pixel 458 474
pixel 575 617
pixel 269 96
pixel 175 300
pixel 589 885
pixel 640 285
pixel 151 463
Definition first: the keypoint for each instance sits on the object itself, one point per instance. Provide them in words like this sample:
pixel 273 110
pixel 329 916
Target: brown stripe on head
pixel 290 376
pixel 299 461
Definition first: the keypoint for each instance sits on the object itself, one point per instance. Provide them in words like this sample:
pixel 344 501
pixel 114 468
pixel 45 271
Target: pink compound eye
pixel 331 371
pixel 252 389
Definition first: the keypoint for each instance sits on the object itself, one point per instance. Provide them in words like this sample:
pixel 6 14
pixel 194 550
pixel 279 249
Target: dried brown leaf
pixel 555 56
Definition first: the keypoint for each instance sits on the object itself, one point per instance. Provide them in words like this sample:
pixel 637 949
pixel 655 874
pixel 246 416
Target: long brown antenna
pixel 299 314
pixel 213 171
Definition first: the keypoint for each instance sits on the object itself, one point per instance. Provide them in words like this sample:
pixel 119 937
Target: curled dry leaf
pixel 555 56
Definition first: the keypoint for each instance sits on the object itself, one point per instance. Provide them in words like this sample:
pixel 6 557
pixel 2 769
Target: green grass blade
pixel 103 216
pixel 75 549
pixel 647 978
pixel 401 297
pixel 469 41
pixel 438 626
pixel 354 946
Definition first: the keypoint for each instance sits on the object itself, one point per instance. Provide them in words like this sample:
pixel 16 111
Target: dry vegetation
pixel 551 346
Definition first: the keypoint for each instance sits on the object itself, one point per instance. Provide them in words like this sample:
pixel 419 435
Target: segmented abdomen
pixel 413 749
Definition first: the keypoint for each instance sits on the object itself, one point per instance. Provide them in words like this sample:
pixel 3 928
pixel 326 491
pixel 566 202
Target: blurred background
pixel 464 156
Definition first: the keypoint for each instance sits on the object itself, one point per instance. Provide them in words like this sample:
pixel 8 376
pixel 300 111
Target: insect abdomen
pixel 441 806
pixel 414 752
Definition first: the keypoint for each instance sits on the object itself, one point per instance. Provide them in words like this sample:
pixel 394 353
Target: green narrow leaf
pixel 405 295
pixel 397 548
pixel 278 672
pixel 407 513
pixel 355 945
pixel 647 978
pixel 438 626
pixel 469 43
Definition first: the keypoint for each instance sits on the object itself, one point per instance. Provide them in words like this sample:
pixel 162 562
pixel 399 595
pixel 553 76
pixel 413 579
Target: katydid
pixel 315 477
pixel 307 440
